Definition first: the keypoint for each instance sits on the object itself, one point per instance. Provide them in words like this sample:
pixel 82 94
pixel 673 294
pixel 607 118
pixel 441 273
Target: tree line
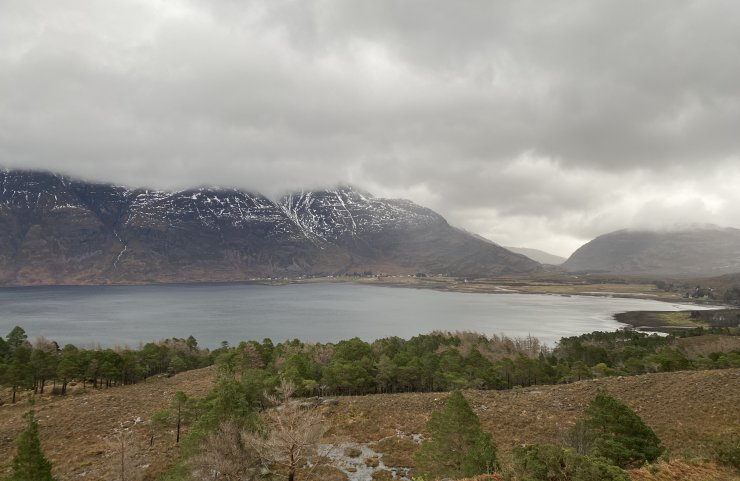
pixel 446 361
pixel 33 366
pixel 439 361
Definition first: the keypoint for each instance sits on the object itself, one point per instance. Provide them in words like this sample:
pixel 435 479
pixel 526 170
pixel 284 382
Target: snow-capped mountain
pixel 57 230
pixel 347 215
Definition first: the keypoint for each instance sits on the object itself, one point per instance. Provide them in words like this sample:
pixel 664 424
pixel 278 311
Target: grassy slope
pixel 685 409
pixel 77 431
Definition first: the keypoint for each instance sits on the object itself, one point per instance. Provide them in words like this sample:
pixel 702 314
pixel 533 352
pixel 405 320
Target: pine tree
pixel 621 436
pixel 29 463
pixel 458 446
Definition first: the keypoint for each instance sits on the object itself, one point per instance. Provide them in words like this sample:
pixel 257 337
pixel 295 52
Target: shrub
pixel 552 463
pixel 351 452
pixel 727 451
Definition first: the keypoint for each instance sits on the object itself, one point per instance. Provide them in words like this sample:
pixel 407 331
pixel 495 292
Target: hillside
pixel 57 230
pixel 686 409
pixel 537 255
pixel 696 251
pixel 78 430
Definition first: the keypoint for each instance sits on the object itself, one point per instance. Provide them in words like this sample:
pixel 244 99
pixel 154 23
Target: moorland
pixel 112 413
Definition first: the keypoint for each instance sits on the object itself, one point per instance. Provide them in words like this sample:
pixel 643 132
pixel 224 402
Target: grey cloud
pixel 523 120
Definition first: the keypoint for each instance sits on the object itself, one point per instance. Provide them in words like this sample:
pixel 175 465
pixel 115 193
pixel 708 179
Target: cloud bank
pixel 539 124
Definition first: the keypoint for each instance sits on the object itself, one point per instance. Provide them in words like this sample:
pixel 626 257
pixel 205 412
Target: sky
pixel 535 124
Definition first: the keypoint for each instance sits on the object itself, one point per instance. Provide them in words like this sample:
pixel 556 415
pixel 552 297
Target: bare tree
pixel 292 433
pixel 178 401
pixel 580 438
pixel 226 454
pixel 123 450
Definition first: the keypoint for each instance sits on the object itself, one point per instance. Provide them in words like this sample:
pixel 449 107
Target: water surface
pixel 128 315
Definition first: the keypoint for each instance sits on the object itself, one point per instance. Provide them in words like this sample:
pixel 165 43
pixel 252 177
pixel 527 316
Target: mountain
pixel 537 255
pixel 698 251
pixel 57 230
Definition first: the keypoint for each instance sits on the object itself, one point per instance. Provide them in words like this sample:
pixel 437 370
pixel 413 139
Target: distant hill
pixel 58 230
pixel 537 255
pixel 697 251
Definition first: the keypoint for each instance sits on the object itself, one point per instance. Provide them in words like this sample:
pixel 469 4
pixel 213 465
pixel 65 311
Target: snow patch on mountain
pixel 346 213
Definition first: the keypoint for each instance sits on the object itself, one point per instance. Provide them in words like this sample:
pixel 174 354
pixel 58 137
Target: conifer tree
pixel 621 436
pixel 457 445
pixel 29 463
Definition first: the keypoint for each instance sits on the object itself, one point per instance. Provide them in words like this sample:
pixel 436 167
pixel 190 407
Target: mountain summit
pixel 57 230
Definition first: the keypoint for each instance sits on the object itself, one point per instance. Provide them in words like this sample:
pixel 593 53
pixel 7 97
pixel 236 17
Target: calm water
pixel 111 315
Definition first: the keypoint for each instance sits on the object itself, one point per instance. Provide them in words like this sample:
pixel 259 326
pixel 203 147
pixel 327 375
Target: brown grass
pixel 663 471
pixel 565 285
pixel 683 471
pixel 705 345
pixel 686 409
pixel 321 473
pixel 383 475
pixel 77 431
pixel 485 477
pixel 397 452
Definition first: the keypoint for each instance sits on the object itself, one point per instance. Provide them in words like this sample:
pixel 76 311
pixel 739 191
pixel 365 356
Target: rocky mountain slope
pixel 538 255
pixel 56 230
pixel 696 251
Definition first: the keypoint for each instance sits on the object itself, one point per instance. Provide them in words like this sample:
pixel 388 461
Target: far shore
pixel 561 286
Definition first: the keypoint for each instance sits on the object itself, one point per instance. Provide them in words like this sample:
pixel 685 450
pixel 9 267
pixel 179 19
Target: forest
pixel 438 361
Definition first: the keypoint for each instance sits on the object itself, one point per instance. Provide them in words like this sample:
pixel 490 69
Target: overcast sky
pixel 533 123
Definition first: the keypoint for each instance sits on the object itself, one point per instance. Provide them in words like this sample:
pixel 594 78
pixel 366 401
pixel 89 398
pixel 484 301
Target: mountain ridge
pixel 696 250
pixel 58 230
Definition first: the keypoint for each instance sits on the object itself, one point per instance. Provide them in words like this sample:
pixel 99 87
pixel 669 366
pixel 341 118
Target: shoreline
pixel 502 285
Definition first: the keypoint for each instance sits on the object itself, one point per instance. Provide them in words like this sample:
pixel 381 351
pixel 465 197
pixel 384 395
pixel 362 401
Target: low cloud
pixel 533 124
